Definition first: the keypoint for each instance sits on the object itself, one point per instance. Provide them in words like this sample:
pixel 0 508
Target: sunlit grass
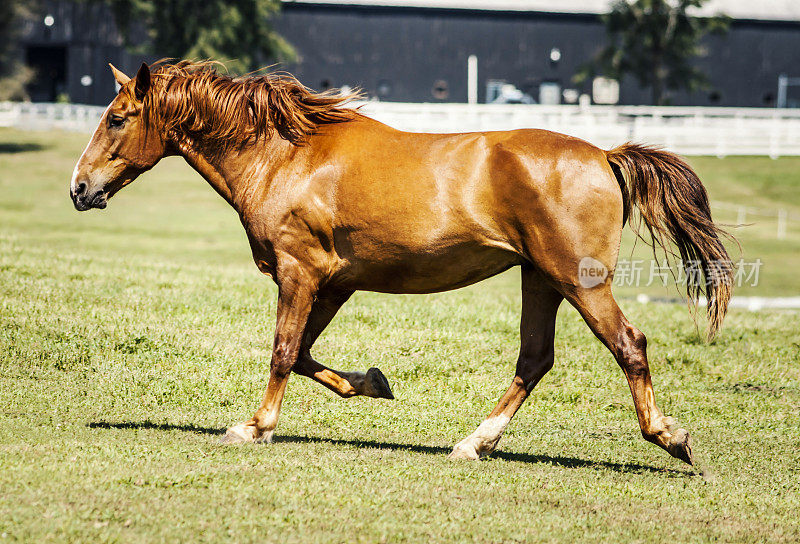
pixel 130 338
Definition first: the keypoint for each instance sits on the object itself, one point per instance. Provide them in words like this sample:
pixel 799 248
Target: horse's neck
pixel 206 167
pixel 229 172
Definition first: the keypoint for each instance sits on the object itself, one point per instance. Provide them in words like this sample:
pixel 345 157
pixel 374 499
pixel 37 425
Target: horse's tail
pixel 674 206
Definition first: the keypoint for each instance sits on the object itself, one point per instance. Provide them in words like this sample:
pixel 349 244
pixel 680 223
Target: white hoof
pixel 483 441
pixel 464 450
pixel 239 434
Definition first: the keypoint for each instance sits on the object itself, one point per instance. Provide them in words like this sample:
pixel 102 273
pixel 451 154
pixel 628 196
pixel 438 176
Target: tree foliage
pixel 655 41
pixel 236 32
pixel 14 75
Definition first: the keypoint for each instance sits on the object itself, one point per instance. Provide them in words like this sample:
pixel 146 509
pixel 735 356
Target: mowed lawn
pixel 130 338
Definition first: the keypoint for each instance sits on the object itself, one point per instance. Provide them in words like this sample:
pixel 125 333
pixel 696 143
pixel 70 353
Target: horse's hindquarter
pixel 563 199
pixel 427 212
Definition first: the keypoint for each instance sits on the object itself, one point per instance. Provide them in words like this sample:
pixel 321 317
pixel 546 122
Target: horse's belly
pixel 396 271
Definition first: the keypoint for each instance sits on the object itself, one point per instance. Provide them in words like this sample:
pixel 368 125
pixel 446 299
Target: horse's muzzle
pixel 84 200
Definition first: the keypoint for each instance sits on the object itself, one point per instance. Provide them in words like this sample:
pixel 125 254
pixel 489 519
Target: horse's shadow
pixel 556 460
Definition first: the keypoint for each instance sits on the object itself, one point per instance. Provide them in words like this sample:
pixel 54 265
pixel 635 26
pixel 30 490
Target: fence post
pixel 774 137
pixel 781 224
pixel 741 217
pixel 472 79
pixel 721 145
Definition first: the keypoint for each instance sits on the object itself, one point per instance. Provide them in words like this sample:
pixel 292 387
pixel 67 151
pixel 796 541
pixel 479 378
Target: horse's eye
pixel 115 121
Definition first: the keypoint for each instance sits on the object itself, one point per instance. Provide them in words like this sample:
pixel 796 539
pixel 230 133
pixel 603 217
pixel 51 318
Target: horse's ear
pixel 121 78
pixel 142 82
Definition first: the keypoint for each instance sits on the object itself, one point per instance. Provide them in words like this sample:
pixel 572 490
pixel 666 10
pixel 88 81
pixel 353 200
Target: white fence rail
pixel 47 116
pixel 686 130
pixel 782 217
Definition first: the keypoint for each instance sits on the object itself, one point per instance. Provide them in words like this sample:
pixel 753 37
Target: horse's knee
pixel 302 366
pixel 282 360
pixel 632 341
pixel 638 339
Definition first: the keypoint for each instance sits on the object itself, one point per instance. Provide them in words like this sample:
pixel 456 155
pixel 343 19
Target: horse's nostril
pixel 80 189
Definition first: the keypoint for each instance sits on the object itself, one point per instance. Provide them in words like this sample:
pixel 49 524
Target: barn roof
pixel 772 10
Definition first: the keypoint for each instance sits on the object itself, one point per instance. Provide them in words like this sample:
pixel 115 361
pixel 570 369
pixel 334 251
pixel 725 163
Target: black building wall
pixel 82 40
pixel 411 49
pixel 407 50
pixel 400 54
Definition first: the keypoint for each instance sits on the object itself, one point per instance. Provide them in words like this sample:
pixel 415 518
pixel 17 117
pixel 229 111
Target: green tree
pixel 655 41
pixel 236 32
pixel 14 75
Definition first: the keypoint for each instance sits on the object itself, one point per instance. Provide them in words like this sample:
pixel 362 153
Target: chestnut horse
pixel 333 202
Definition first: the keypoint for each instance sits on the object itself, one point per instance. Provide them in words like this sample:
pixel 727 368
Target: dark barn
pixel 70 47
pixel 415 51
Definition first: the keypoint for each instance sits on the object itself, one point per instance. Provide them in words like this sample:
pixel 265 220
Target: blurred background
pixel 726 53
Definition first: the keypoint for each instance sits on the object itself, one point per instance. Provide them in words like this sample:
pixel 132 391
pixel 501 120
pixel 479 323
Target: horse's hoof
pixel 239 434
pixel 680 446
pixel 377 385
pixel 464 450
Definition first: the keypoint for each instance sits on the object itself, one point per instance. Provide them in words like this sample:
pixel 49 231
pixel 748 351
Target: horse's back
pixel 545 161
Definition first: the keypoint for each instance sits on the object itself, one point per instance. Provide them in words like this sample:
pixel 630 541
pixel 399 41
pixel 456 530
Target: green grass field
pixel 130 338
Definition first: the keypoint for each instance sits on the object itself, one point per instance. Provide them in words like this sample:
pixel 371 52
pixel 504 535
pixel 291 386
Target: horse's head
pixel 123 146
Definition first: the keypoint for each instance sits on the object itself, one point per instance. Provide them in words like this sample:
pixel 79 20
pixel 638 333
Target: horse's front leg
pixel 295 300
pixel 371 383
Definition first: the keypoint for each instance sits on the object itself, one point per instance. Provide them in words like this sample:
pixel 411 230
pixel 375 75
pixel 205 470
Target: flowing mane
pixel 194 98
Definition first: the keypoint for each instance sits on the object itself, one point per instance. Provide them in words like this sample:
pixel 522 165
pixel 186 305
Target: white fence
pixel 46 116
pixel 779 218
pixel 686 130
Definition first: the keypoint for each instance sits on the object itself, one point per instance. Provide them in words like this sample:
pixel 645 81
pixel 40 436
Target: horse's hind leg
pixel 628 345
pixel 371 383
pixel 537 330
